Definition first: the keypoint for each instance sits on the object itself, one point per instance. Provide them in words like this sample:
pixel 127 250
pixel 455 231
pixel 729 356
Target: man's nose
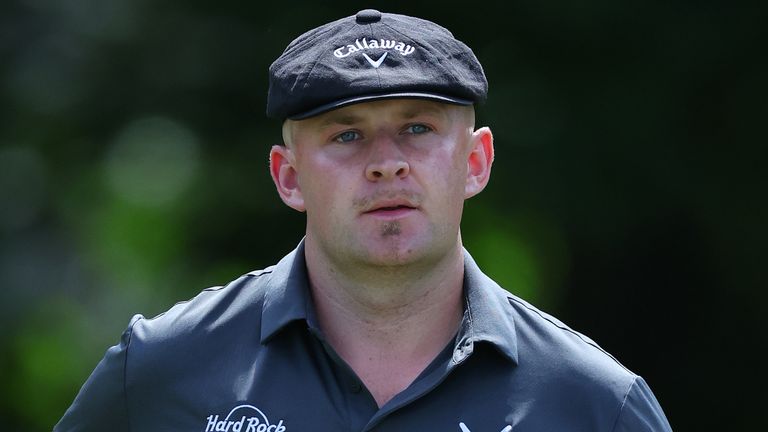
pixel 387 161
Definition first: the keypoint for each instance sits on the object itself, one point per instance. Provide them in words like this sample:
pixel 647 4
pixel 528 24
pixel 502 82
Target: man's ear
pixel 479 162
pixel 285 176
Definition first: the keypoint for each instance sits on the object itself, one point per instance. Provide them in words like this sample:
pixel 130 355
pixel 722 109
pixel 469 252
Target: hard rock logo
pixel 243 418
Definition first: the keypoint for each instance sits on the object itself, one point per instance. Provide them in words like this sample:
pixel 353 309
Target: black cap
pixel 371 56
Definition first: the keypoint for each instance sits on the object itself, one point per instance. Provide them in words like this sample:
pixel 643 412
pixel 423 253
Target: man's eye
pixel 347 136
pixel 418 129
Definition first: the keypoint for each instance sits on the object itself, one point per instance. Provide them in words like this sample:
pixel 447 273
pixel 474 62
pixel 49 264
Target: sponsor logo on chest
pixel 243 418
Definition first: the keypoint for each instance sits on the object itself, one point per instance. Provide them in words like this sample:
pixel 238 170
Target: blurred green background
pixel 628 196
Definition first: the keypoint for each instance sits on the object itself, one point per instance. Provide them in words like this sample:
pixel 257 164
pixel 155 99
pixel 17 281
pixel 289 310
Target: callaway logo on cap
pixel 371 56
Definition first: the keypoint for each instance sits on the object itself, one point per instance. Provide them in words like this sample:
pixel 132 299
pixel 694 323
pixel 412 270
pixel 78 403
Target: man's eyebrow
pixel 341 119
pixel 411 112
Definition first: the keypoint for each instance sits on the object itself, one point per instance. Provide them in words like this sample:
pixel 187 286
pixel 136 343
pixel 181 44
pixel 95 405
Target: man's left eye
pixel 347 136
pixel 418 129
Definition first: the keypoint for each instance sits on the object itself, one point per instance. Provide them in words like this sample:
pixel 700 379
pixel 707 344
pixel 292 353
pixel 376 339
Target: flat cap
pixel 371 56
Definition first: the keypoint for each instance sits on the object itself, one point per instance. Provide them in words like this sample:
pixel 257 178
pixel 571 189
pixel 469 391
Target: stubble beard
pixel 390 229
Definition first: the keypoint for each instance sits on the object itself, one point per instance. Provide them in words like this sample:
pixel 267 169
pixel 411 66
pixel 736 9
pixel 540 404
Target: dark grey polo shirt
pixel 249 357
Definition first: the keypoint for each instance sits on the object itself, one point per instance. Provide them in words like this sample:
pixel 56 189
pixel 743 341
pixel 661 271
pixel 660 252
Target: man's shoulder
pixel 539 343
pixel 220 308
pixel 560 367
pixel 546 341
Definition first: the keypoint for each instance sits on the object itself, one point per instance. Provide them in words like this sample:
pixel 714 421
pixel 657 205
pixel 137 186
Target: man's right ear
pixel 285 176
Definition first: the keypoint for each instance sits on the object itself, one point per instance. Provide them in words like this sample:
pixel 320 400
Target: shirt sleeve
pixel 101 404
pixel 641 411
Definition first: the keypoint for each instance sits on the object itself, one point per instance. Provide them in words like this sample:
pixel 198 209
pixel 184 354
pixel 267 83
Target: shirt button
pixel 356 387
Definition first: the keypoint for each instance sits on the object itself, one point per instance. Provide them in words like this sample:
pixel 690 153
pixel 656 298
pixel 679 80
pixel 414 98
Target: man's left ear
pixel 479 162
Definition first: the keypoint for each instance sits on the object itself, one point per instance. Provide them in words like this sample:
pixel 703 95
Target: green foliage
pixel 524 252
pixel 627 194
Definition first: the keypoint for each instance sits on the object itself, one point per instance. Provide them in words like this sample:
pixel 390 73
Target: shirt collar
pixel 287 298
pixel 487 315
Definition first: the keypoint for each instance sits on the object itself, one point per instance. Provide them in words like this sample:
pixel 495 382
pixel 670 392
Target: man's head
pixel 383 164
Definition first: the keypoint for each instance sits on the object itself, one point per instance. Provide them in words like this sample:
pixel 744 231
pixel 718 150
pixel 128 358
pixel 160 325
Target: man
pixel 379 320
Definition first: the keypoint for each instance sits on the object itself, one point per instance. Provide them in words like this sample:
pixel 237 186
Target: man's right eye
pixel 347 136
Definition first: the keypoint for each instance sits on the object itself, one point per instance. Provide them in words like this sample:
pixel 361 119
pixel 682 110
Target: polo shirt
pixel 250 357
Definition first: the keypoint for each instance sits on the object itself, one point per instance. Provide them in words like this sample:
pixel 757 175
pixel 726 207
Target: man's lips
pixel 392 208
pixel 389 202
pixel 388 207
pixel 390 211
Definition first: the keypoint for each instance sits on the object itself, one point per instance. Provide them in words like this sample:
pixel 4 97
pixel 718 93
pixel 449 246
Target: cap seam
pixel 449 68
pixel 309 40
pixel 315 61
pixel 378 73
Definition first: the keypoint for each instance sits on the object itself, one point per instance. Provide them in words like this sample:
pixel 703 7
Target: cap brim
pixel 370 98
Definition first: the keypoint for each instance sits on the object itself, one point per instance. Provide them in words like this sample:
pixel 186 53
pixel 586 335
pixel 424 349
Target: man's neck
pixel 388 324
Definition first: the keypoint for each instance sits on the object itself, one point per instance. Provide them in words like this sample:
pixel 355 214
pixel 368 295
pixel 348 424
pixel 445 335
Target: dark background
pixel 628 195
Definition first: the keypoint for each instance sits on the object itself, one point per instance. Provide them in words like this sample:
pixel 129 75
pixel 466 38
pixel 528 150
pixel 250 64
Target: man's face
pixel 383 183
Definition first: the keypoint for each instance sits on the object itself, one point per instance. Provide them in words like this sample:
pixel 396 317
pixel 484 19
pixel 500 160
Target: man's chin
pixel 393 252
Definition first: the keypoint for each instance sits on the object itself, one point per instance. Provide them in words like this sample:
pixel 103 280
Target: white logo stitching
pixel 365 44
pixel 376 63
pixel 250 419
pixel 464 428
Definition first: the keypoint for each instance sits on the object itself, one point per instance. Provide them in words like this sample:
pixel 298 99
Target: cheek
pixel 456 175
pixel 445 182
pixel 455 179
pixel 322 183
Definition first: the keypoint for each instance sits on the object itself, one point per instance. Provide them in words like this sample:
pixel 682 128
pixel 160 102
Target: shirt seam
pixel 125 373
pixel 247 276
pixel 571 331
pixel 623 402
pixel 470 319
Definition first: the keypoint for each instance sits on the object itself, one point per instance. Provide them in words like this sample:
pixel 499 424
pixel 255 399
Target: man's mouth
pixel 390 208
pixel 390 203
